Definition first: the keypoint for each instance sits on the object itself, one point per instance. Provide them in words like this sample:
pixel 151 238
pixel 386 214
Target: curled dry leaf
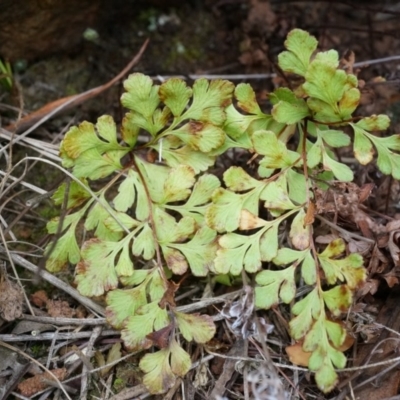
pixel 392 277
pixel 240 319
pixel 361 247
pixel 365 192
pixel 369 332
pixel 239 313
pixel 378 263
pixel 201 378
pixel 370 286
pixel 393 246
pixel 310 215
pixel 39 298
pixel 347 61
pixel 169 296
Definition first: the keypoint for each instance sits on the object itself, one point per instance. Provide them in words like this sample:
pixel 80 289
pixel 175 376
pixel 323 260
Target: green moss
pixel 48 211
pixel 38 350
pixel 119 384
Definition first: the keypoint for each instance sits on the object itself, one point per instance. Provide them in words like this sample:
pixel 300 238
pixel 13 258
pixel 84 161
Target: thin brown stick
pixel 87 366
pixel 53 108
pixel 346 234
pixel 42 337
pixel 64 321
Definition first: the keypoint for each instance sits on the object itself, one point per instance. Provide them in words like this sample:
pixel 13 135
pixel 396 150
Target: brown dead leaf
pixel 254 57
pixel 391 280
pixel 347 61
pixel 297 355
pixel 347 344
pixel 360 247
pixel 342 198
pixel 393 225
pixel 11 298
pixel 365 192
pixel 300 357
pixel 378 261
pixel 39 298
pixel 260 23
pixel 369 332
pixel 162 337
pixel 310 215
pixel 370 286
pixel 37 383
pixel 169 295
pixel 393 246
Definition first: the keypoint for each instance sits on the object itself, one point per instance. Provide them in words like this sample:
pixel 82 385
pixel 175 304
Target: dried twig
pixel 65 321
pixel 87 368
pixel 23 354
pixel 239 77
pixel 37 118
pixel 344 232
pixel 237 349
pixel 50 335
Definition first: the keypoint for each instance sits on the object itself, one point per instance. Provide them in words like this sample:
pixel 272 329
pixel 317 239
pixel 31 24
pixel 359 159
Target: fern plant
pixel 160 214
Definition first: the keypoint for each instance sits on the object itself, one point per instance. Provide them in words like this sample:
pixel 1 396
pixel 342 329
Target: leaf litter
pixel 343 205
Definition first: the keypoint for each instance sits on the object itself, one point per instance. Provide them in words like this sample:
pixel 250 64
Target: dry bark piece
pixel 237 350
pixel 32 327
pixel 10 360
pixel 37 383
pixel 11 298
